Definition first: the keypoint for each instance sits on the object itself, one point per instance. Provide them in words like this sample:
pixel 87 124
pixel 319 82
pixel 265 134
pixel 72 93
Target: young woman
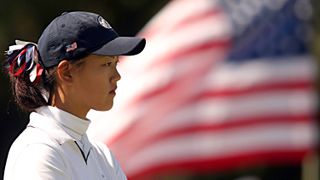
pixel 69 72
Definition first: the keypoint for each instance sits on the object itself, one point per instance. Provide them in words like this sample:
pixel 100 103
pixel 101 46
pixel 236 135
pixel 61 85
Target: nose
pixel 116 76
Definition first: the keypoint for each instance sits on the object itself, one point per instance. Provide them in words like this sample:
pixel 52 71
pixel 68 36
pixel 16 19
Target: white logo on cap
pixel 104 23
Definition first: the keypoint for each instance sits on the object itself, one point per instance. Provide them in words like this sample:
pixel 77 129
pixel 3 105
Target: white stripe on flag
pixel 202 145
pixel 254 72
pixel 224 110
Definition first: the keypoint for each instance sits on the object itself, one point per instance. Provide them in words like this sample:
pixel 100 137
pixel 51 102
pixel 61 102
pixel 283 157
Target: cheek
pixel 95 85
pixel 95 91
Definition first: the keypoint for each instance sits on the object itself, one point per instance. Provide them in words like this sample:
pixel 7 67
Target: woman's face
pixel 96 82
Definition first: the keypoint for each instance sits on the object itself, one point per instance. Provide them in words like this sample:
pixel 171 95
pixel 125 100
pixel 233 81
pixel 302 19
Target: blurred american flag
pixel 221 84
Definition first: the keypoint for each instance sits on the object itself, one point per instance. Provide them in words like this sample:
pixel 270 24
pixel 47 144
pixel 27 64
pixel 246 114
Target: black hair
pixel 29 95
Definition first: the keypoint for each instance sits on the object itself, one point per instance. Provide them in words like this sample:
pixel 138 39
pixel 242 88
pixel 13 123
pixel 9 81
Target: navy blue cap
pixel 74 35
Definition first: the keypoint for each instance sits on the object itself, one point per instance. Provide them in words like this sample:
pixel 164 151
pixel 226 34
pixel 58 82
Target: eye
pixel 111 62
pixel 107 64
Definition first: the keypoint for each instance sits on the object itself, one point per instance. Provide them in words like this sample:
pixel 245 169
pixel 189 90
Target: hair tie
pixel 23 61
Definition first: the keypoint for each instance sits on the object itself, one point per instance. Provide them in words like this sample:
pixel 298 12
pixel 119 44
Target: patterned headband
pixel 23 61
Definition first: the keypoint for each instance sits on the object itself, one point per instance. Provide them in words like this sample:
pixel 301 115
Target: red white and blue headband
pixel 23 61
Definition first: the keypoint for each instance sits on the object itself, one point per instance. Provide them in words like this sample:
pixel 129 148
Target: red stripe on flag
pixel 140 138
pixel 306 85
pixel 176 56
pixel 253 159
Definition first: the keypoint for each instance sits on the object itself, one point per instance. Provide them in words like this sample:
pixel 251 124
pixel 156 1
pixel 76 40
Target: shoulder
pixel 35 154
pixel 32 135
pixel 38 152
pixel 33 144
pixel 34 161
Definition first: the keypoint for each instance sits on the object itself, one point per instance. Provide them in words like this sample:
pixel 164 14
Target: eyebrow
pixel 113 58
pixel 116 58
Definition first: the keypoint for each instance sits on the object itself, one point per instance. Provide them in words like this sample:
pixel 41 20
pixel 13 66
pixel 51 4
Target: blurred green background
pixel 25 20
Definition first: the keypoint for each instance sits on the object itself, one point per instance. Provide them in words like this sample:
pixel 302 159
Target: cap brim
pixel 122 46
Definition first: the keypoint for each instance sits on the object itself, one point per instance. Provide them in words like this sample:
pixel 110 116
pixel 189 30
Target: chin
pixel 103 108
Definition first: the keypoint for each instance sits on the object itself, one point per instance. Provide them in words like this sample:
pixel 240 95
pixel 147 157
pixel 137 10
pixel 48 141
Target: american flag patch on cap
pixel 71 47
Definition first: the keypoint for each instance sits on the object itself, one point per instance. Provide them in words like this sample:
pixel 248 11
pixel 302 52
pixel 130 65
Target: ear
pixel 64 71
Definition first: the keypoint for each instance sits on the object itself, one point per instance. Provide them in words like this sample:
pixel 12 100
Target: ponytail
pixel 27 96
pixel 30 84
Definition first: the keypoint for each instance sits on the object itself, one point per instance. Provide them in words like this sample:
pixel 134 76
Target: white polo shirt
pixel 55 146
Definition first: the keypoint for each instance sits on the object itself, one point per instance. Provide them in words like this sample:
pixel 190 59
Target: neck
pixel 68 105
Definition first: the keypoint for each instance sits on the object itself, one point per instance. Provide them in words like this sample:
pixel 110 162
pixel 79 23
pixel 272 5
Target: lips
pixel 113 90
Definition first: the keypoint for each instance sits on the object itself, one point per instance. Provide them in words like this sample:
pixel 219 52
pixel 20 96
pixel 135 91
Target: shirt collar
pixel 62 125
